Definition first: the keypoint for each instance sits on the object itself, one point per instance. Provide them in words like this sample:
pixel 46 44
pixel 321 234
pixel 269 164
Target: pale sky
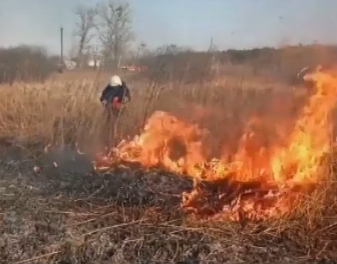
pixel 231 23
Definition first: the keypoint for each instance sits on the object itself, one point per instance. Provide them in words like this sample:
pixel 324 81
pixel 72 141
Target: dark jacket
pixel 111 92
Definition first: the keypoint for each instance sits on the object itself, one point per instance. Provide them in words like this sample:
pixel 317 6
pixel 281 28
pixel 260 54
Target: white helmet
pixel 115 80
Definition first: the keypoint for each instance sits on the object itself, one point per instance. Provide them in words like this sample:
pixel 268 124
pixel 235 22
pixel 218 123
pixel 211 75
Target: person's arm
pixel 104 94
pixel 126 91
pixel 128 94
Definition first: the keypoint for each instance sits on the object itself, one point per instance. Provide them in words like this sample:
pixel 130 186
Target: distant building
pixel 133 68
pixel 69 64
pixel 94 63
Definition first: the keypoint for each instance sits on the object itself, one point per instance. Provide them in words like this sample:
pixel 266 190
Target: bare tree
pixel 84 26
pixel 114 29
pixel 141 50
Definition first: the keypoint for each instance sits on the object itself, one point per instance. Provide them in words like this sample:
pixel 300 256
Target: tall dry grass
pixel 66 108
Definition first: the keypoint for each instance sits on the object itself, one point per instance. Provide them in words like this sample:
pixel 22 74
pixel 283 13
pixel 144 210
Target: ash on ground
pixel 130 216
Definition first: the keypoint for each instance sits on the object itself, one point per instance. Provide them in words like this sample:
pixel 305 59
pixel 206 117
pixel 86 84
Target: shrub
pixel 25 63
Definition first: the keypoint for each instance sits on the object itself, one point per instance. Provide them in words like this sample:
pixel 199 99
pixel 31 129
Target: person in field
pixel 310 85
pixel 114 97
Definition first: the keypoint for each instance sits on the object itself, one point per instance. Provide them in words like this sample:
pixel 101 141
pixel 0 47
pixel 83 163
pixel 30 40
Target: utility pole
pixel 211 45
pixel 61 55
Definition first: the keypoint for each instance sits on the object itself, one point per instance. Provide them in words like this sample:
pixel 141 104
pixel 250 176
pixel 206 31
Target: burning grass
pixel 166 196
pixel 262 180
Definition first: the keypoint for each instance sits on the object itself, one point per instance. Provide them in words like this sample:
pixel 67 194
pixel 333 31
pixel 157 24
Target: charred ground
pixel 134 216
pixel 69 214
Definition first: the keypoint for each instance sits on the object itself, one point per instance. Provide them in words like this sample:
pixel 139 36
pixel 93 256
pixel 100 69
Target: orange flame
pixel 259 179
pixel 310 139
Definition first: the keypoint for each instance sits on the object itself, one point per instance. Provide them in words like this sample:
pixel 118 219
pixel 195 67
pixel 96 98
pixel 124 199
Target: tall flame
pixel 310 139
pixel 258 178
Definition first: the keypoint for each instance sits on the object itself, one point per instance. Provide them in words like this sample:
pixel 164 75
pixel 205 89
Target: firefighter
pixel 114 97
pixel 309 84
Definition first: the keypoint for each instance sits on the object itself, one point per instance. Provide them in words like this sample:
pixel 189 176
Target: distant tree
pixel 84 27
pixel 25 63
pixel 172 49
pixel 141 50
pixel 114 29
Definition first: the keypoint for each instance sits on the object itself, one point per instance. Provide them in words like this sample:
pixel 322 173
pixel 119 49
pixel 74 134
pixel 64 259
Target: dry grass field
pixel 275 144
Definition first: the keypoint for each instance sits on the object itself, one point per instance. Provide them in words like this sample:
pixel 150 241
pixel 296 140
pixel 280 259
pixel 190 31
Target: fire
pixel 260 181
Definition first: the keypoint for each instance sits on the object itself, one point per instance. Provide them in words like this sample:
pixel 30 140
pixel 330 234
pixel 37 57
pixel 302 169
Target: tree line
pixel 105 31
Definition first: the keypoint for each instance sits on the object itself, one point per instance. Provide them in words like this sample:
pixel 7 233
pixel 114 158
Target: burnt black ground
pixel 130 216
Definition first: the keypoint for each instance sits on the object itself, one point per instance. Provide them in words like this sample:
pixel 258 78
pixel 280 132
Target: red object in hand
pixel 115 103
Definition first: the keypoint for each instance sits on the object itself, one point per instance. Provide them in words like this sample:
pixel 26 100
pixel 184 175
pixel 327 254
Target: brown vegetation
pixel 133 215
